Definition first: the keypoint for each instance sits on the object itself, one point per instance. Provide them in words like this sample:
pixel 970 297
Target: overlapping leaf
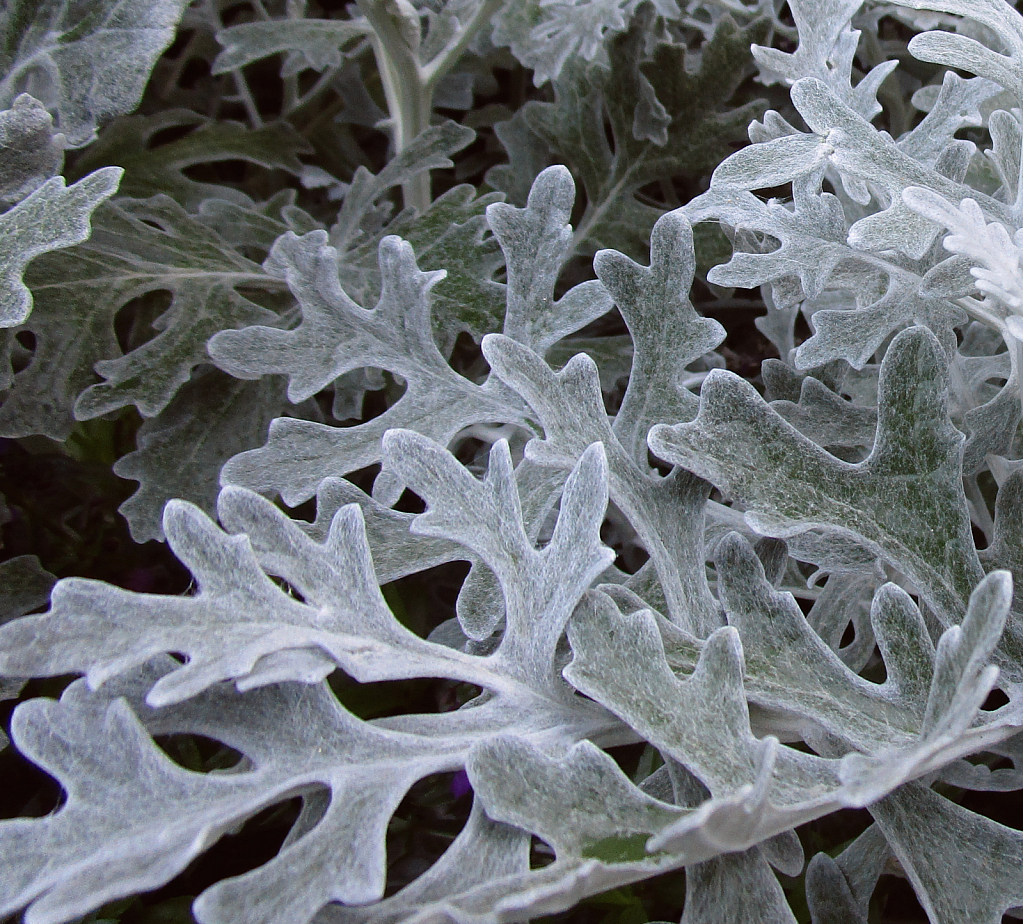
pixel 159 169
pixel 314 43
pixel 337 335
pixel 653 103
pixel 904 501
pixel 92 58
pixel 137 248
pixel 53 217
pixel 242 626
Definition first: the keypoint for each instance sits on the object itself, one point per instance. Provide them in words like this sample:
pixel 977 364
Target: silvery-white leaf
pixel 872 499
pixel 967 53
pixel 838 890
pixel 52 217
pixel 663 343
pixel 724 889
pixel 667 513
pixel 536 241
pixel 32 150
pixel 968 876
pixel 87 61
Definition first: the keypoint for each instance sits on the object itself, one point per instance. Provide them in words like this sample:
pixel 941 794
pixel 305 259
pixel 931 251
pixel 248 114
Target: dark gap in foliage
pixel 660 194
pixel 422 601
pixel 610 324
pixel 388 698
pixel 875 670
pixel 28 791
pixel 410 502
pixel 273 301
pixel 374 144
pixel 169 134
pixel 288 588
pixel 193 72
pixel 848 636
pixel 181 40
pixel 64 510
pixel 133 323
pixel 467 358
pixel 801 746
pixel 613 399
pixel 472 453
pixel 575 270
pixel 306 511
pixel 198 753
pixel 232 111
pixel 659 465
pixel 1005 808
pixel 979 539
pixel 802 330
pixel 988 489
pixel 27 339
pixel 476 159
pixel 617 533
pixel 374 403
pixel 629 757
pixel 995 700
pixel 363 478
pixel 850 454
pixel 896 902
pixel 782 43
pixel 237 13
pixel 222 172
pixel 541 853
pixel 429 818
pixel 257 842
pixel 745 348
pixel 264 77
pixel 331 9
pixel 831 833
pixel 989 760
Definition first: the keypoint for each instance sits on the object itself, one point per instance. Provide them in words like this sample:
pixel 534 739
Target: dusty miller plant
pixel 821 595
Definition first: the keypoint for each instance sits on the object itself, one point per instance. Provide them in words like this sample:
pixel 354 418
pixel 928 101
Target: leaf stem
pixel 408 84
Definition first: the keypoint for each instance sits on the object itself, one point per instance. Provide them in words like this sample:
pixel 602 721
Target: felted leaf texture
pixel 137 249
pixel 602 841
pixel 735 765
pixel 526 696
pixel 450 234
pixel 53 217
pixel 159 169
pixel 919 523
pixel 33 150
pixel 228 572
pixel 315 43
pixel 827 46
pixel 975 879
pixel 337 335
pixel 179 453
pixel 665 121
pixel 85 61
pixel 696 617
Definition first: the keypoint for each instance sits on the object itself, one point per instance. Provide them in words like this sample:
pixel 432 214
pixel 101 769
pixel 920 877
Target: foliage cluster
pixel 577 455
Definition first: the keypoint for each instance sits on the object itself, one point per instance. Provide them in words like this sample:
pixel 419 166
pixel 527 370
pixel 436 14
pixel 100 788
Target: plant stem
pixel 408 84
